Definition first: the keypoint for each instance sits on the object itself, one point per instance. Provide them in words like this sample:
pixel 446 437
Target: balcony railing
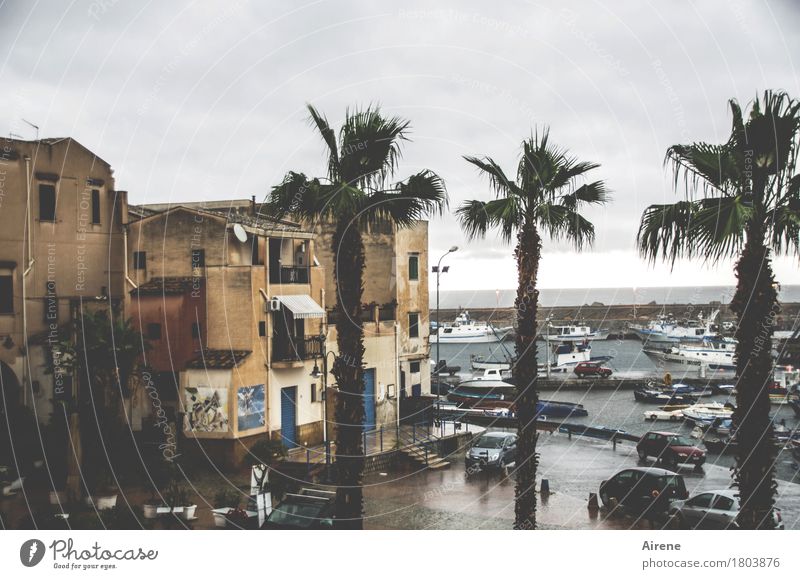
pixel 289 350
pixel 286 274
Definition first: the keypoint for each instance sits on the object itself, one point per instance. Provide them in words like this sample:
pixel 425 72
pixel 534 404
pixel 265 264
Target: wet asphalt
pixel 454 498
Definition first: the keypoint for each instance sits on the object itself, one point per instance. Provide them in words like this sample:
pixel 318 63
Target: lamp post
pixel 315 373
pixel 437 269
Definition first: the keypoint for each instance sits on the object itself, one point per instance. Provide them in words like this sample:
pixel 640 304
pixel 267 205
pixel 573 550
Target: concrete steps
pixel 417 454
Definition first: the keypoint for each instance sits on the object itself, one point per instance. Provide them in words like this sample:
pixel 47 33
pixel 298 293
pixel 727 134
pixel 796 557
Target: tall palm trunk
pixel 756 304
pixel 526 370
pixel 349 374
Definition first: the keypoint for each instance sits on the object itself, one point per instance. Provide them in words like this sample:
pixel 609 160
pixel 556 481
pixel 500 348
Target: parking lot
pixel 456 499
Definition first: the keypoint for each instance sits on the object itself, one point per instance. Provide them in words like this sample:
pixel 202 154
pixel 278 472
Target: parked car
pixel 584 369
pixel 671 449
pixel 492 450
pixel 712 510
pixel 308 509
pixel 643 490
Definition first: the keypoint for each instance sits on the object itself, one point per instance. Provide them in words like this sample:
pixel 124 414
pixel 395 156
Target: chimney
pixel 253 205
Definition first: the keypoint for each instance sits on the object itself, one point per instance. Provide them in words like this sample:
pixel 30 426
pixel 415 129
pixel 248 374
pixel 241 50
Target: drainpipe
pixel 397 373
pixel 125 259
pixel 31 261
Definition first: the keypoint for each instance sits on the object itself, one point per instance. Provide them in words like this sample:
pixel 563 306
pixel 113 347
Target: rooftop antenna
pixel 34 126
pixel 12 135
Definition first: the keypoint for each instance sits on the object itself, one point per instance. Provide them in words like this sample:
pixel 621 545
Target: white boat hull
pixel 465 339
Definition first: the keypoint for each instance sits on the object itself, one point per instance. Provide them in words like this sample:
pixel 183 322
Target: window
pixel 701 501
pixel 153 331
pixel 139 260
pixel 47 203
pixel 414 367
pixel 413 325
pixel 6 293
pixel 413 267
pixel 723 503
pixel 195 331
pixel 95 206
pixel 262 329
pixel 198 258
pixel 313 392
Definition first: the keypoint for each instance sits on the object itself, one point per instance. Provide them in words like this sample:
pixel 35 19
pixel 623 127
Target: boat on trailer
pixel 491 395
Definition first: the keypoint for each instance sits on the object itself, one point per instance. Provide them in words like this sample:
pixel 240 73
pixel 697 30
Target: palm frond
pixel 590 193
pixel 704 165
pixel 785 228
pixel 418 196
pixel 369 146
pixel 477 217
pixel 500 182
pixel 665 231
pixel 319 121
pixel 308 199
pixel 571 170
pixel 718 226
pixel 563 222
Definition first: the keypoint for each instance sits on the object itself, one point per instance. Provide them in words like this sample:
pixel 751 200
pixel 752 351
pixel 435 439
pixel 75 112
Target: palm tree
pixel 356 194
pixel 545 199
pixel 742 200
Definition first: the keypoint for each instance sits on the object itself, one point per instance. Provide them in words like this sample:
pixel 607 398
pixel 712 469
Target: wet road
pixel 453 499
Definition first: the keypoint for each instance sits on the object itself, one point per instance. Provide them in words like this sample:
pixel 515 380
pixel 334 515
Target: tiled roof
pixel 165 286
pixel 217 359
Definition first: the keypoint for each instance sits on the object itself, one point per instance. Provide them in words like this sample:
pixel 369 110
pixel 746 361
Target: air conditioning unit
pixel 274 305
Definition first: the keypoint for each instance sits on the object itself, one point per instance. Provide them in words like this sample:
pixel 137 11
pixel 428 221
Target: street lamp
pixel 317 374
pixel 438 270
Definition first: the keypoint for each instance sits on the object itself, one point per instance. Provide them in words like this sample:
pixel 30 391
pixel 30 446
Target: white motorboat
pixel 668 329
pixel 706 413
pixel 572 333
pixel 465 330
pixel 480 363
pixel 715 354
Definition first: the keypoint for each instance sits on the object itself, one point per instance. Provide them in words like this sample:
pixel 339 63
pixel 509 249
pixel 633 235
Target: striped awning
pixel 302 306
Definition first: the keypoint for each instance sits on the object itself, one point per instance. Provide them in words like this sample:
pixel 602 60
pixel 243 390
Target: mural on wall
pixel 251 407
pixel 206 409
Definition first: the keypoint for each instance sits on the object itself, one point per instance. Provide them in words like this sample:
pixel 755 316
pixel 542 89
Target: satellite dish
pixel 239 232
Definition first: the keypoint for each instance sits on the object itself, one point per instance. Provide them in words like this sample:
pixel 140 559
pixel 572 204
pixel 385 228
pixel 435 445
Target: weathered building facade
pixel 61 249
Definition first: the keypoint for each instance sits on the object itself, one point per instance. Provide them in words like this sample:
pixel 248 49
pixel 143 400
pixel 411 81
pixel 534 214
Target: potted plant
pixel 226 501
pixel 178 500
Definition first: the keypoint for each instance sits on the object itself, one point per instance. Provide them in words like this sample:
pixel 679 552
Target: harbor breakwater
pixel 616 318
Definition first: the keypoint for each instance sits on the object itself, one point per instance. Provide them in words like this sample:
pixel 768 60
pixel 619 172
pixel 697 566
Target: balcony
pixel 287 275
pixel 291 350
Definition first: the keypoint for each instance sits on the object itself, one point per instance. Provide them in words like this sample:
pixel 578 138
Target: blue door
pixel 289 416
pixel 369 399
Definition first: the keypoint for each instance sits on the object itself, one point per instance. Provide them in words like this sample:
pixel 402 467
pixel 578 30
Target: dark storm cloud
pixel 205 100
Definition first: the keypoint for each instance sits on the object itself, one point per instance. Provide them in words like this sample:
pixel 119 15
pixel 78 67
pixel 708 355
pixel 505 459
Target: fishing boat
pixel 653 396
pixel 668 329
pixel 492 395
pixel 465 330
pixel 573 333
pixel 715 354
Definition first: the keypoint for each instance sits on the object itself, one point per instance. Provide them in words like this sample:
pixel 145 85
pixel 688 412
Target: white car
pixel 712 510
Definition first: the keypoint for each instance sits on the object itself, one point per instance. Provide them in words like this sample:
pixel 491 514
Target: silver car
pixel 492 450
pixel 712 510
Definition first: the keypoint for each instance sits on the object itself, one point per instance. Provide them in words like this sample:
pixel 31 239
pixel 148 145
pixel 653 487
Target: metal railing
pixel 291 349
pixel 286 274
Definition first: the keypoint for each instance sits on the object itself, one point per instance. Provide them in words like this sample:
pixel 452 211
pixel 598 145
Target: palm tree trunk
pixel 347 369
pixel 526 369
pixel 756 304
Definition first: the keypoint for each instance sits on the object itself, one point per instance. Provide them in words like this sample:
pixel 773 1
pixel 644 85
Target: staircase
pixel 429 459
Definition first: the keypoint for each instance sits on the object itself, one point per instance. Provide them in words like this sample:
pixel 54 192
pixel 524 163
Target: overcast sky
pixel 206 100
